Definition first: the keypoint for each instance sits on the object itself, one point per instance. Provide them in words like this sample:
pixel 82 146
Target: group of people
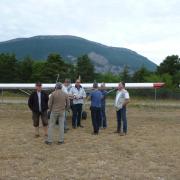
pixel 66 97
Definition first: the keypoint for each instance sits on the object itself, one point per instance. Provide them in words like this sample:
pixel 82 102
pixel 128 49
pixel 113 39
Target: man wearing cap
pixel 38 103
pixel 58 102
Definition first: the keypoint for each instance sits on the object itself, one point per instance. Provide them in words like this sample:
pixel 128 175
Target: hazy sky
pixel 149 27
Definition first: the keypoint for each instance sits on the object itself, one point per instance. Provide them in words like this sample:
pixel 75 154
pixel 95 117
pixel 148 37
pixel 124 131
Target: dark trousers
pixel 96 118
pixel 103 117
pixel 76 117
pixel 121 115
pixel 36 116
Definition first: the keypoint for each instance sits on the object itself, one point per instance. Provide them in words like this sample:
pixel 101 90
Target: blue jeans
pixel 103 117
pixel 121 115
pixel 76 117
pixel 96 118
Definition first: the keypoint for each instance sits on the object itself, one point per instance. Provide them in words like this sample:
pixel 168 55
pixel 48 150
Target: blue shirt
pixel 96 97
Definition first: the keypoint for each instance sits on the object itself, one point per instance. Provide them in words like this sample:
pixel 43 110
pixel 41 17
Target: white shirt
pixel 66 89
pixel 121 96
pixel 78 95
pixel 39 100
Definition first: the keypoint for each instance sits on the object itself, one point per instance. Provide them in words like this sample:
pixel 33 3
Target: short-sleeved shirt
pixel 96 97
pixel 121 96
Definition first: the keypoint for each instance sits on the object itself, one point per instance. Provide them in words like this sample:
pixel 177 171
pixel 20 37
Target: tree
pixel 85 69
pixel 25 69
pixel 125 74
pixel 8 68
pixel 37 71
pixel 54 66
pixel 141 74
pixel 108 78
pixel 170 65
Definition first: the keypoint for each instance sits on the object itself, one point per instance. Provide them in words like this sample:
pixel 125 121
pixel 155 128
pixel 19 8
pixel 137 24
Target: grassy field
pixel 151 150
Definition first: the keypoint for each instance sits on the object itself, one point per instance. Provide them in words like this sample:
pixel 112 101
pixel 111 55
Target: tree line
pixel 28 70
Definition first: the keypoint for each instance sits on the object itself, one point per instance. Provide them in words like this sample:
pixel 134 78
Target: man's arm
pixel 30 101
pixel 50 102
pixel 67 102
pixel 126 102
pixel 127 99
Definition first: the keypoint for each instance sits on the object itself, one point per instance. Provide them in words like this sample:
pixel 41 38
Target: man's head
pixel 38 86
pixel 78 82
pixel 58 85
pixel 95 85
pixel 121 85
pixel 103 86
pixel 67 82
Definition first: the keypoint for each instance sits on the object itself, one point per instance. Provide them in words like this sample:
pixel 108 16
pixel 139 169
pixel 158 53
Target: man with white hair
pixel 57 103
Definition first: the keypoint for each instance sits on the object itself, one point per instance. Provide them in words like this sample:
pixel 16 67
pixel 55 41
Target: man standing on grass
pixel 38 103
pixel 103 123
pixel 58 102
pixel 96 97
pixel 78 93
pixel 121 101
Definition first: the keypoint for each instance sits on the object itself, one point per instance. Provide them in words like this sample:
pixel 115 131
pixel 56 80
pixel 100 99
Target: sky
pixel 149 27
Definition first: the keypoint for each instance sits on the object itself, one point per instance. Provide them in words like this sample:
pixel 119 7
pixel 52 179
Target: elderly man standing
pixel 58 101
pixel 121 101
pixel 78 93
pixel 38 103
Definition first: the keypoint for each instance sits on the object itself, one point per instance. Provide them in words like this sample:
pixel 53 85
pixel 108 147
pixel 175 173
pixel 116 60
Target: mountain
pixel 105 58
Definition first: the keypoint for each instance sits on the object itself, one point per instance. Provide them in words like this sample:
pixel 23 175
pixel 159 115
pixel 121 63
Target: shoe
pixel 37 135
pixel 65 130
pixel 81 126
pixel 47 142
pixel 94 133
pixel 60 142
pixel 74 127
pixel 122 134
pixel 116 131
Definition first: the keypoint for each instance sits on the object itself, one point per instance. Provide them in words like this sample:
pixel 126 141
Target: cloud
pixel 143 26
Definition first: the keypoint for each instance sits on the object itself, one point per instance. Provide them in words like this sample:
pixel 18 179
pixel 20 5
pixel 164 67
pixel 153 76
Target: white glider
pixel 8 86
